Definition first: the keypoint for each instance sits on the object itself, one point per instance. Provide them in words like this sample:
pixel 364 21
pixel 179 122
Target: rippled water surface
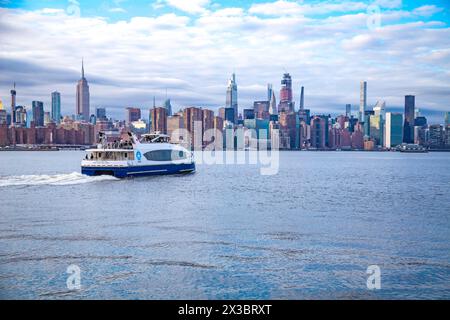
pixel 228 232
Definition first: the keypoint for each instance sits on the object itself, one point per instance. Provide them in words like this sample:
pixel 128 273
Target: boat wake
pixel 53 180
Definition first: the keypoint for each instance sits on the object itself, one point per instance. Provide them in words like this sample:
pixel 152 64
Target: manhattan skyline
pixel 192 52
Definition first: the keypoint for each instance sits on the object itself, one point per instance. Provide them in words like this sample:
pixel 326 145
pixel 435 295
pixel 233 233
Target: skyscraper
pixel 393 130
pixel 380 109
pixel 269 91
pixel 318 132
pixel 132 114
pixel 447 118
pixel 158 117
pixel 273 113
pixel 38 113
pixel 286 103
pixel 302 99
pixel 100 113
pixel 348 110
pixel 232 98
pixel 408 127
pixel 13 105
pixel 82 104
pixel 56 107
pixel 362 100
pixel 168 106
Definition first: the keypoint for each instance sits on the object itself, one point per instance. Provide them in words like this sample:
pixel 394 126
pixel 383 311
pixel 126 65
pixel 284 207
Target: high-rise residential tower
pixel 13 105
pixel 286 103
pixel 56 107
pixel 408 126
pixel 38 113
pixel 348 110
pixel 269 91
pixel 302 99
pixel 362 100
pixel 82 104
pixel 232 98
pixel 132 114
pixel 168 106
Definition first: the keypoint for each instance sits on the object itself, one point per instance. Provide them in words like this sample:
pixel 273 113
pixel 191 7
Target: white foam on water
pixel 54 180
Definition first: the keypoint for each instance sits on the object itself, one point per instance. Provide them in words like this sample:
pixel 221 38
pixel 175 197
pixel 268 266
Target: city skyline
pixel 187 53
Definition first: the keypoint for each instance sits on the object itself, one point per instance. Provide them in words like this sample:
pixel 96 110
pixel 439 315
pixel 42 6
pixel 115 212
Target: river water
pixel 227 232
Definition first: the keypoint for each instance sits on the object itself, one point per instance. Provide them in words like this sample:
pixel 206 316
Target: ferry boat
pixel 412 148
pixel 152 154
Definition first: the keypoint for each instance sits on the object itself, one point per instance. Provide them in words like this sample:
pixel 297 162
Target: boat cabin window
pixel 111 156
pixel 165 155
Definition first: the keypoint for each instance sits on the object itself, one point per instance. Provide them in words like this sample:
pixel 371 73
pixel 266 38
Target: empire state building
pixel 82 97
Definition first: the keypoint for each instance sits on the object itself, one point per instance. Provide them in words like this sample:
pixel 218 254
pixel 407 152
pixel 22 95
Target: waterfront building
pixel 56 107
pixel 408 126
pixel 193 117
pixel 83 98
pixel 47 118
pixel 436 135
pixel 132 114
pixel 286 104
pixel 158 120
pixel 174 124
pixel 376 129
pixel 231 100
pixel 393 130
pixel 447 136
pixel 218 123
pixel 21 117
pixel 366 122
pixel 318 132
pixel 447 119
pixel 362 101
pixel 3 116
pixel 358 137
pixel 38 113
pixel 369 145
pixel 261 109
pixel 207 121
pixel 289 125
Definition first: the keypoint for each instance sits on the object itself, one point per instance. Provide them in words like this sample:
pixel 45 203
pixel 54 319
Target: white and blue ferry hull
pixel 138 170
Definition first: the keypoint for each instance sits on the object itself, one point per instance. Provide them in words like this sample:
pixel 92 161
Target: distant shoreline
pixel 21 149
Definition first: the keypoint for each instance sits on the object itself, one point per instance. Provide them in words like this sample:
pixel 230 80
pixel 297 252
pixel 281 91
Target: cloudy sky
pixel 134 50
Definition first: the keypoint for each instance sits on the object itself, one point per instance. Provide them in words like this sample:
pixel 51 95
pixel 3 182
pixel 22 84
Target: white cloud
pixel 128 62
pixel 189 6
pixel 427 11
pixel 285 7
